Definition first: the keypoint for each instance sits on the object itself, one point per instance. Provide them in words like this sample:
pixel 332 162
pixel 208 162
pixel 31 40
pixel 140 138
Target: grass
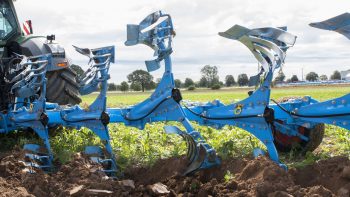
pixel 136 147
pixel 118 99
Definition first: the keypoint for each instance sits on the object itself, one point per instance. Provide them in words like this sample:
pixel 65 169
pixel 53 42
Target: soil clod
pixel 235 177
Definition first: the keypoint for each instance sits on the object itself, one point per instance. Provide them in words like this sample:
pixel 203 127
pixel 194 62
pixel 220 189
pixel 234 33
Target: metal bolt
pixel 343 101
pixel 333 102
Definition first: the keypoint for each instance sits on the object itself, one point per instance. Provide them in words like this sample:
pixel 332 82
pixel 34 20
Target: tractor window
pixel 8 23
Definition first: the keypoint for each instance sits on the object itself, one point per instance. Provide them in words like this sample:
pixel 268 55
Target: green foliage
pixel 308 159
pixel 178 83
pixel 203 82
pixel 146 146
pixel 210 73
pixel 17 138
pixel 136 86
pixel 229 80
pixel 323 78
pixel 124 86
pixel 336 75
pixel 188 82
pixel 215 86
pixel 280 77
pixel 228 176
pixel 191 88
pixel 242 79
pixel 141 77
pixel 112 87
pixel 312 76
pixel 70 141
pixel 294 79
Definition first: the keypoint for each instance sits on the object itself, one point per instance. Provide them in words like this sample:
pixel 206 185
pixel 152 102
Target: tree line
pixel 141 80
pixel 311 76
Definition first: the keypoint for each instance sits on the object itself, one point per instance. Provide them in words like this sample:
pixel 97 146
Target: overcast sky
pixel 87 23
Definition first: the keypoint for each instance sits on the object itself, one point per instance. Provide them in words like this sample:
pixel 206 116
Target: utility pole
pixel 302 74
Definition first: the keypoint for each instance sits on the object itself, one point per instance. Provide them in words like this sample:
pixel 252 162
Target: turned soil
pixel 235 177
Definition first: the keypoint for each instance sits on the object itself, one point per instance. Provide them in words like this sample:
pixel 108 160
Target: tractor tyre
pixel 62 87
pixel 285 143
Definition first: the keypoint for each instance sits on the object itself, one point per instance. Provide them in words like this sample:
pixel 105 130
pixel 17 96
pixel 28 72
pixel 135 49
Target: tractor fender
pixel 34 46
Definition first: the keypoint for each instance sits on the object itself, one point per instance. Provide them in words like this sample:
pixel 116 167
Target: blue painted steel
pixel 340 24
pixel 25 113
pixel 94 117
pixel 305 112
pixel 251 114
pixel 156 31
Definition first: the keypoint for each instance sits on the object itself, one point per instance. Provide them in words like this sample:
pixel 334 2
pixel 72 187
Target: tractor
pixel 62 85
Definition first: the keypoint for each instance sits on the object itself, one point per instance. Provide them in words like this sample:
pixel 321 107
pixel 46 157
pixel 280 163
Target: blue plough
pixel 271 122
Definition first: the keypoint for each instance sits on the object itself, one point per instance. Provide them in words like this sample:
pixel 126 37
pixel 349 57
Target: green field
pixel 116 99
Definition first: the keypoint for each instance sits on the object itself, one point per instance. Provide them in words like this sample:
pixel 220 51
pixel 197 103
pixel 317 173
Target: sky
pixel 91 24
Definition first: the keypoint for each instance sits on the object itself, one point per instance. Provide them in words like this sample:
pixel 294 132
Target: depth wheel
pixel 286 143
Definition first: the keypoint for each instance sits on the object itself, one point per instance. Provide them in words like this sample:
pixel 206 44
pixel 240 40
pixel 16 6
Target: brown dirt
pixel 244 177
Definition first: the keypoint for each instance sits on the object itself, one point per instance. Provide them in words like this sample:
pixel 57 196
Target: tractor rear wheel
pixel 62 87
pixel 286 143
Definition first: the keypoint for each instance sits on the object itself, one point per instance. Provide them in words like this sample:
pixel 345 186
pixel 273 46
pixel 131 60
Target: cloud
pixel 89 23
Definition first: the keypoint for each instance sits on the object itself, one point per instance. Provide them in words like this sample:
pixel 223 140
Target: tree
pixel 124 86
pixel 77 69
pixel 210 73
pixel 188 82
pixel 242 79
pixel 312 76
pixel 216 86
pixel 280 77
pixel 136 86
pixel 142 78
pixel 203 82
pixel 191 88
pixel 178 83
pixel 323 78
pixel 112 87
pixel 294 79
pixel 336 75
pixel 152 85
pixel 229 80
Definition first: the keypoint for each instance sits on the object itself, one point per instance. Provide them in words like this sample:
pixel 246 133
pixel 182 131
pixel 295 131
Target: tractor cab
pixel 9 26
